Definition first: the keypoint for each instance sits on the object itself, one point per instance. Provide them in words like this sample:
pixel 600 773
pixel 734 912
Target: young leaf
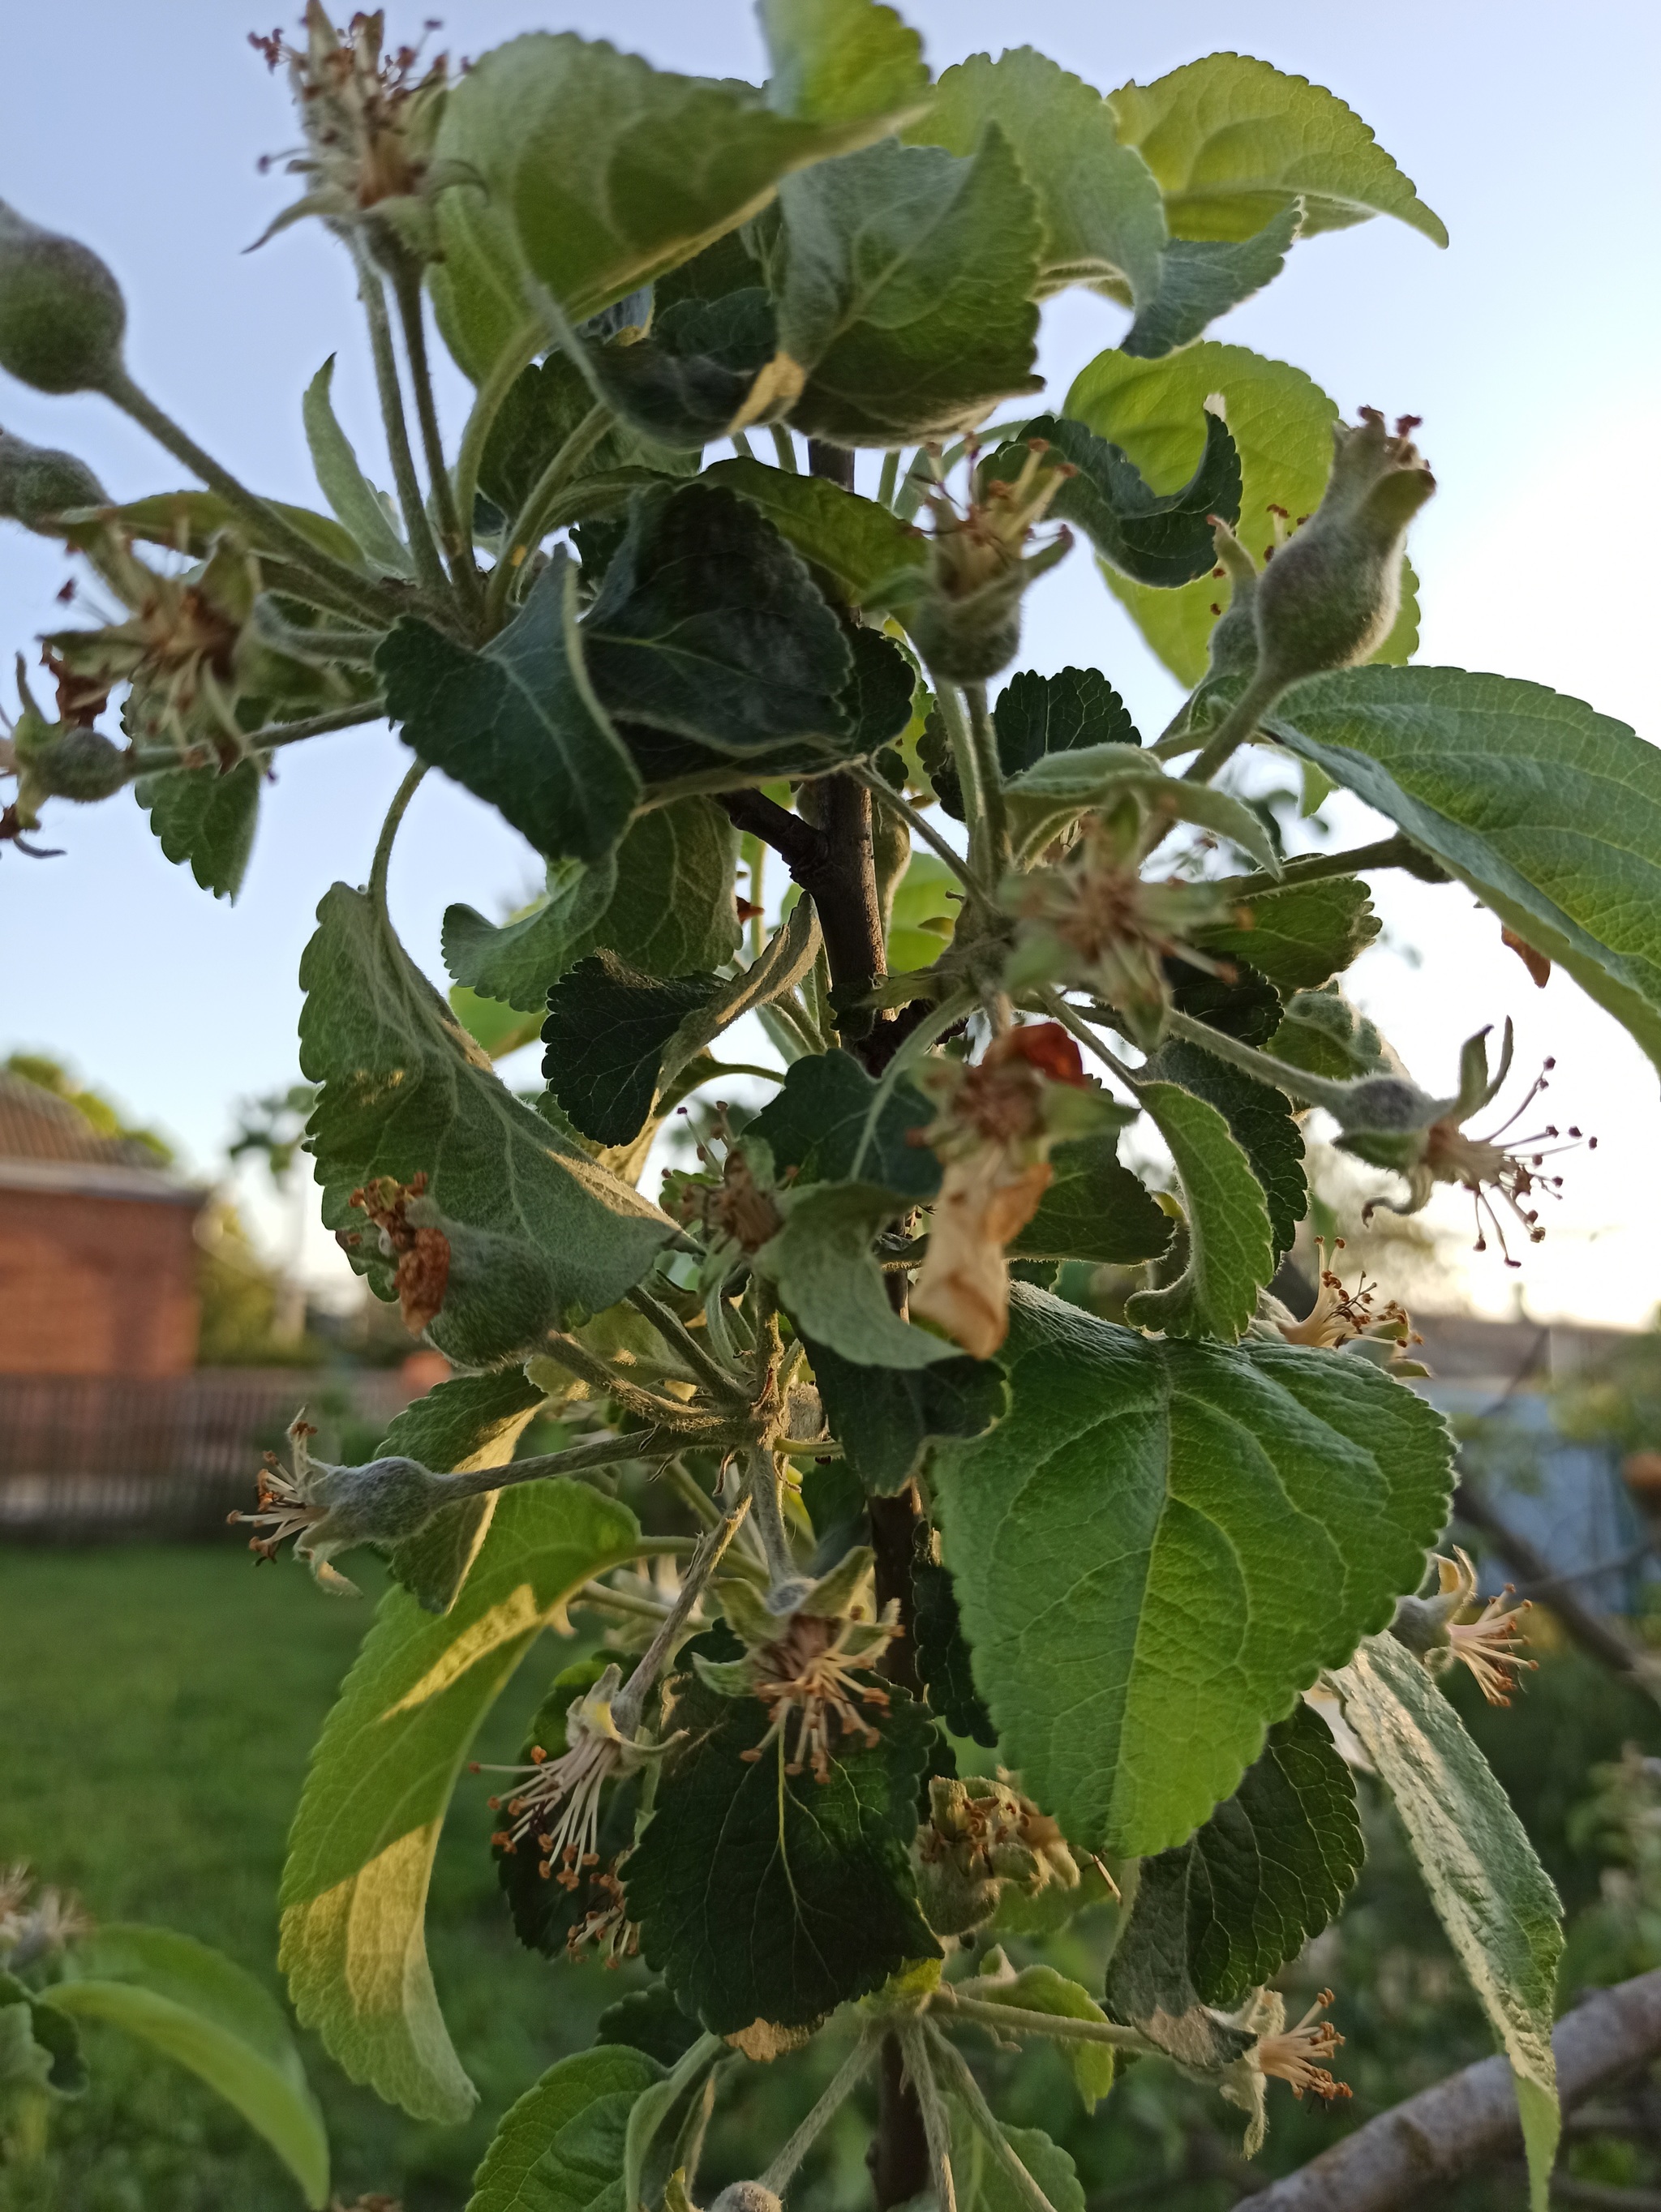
pixel 1103 221
pixel 673 913
pixel 1230 1247
pixel 471 1421
pixel 907 295
pixel 519 723
pixel 1159 541
pixel 815 1902
pixel 708 625
pixel 187 522
pixel 983 2184
pixel 1261 1123
pixel 1322 1034
pixel 1233 141
pixel 210 2016
pixel 832 1288
pixel 207 817
pixel 836 62
pixel 1299 935
pixel 344 485
pixel 1094 1209
pixel 851 540
pixel 559 2148
pixel 1158 1526
pixel 361 1853
pixel 519 962
pixel 1491 1895
pixel 1041 1989
pixel 1220 1914
pixel 885 1417
pixel 608 1033
pixel 1045 798
pixel 942 1654
pixel 1203 278
pixel 816 1123
pixel 406 1092
pixel 1550 811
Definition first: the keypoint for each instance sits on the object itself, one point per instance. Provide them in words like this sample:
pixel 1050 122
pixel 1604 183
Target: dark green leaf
pixel 1162 541
pixel 853 541
pixel 942 1651
pixel 55 2059
pixel 884 1419
pixel 207 818
pixel 519 723
pixel 1094 1209
pixel 1261 1122
pixel 815 1122
pixel 1159 1526
pixel 674 913
pixel 688 380
pixel 650 2020
pixel 831 1285
pixel 1224 1912
pixel 559 2148
pixel 519 962
pixel 1066 713
pixel 1246 1004
pixel 1203 278
pixel 708 625
pixel 471 1421
pixel 1299 935
pixel 907 290
pixel 608 1032
pixel 764 1895
pixel 1322 1034
pixel 542 408
pixel 406 1092
pixel 1231 1253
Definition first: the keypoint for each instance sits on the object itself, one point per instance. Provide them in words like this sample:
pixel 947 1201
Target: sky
pixel 1527 347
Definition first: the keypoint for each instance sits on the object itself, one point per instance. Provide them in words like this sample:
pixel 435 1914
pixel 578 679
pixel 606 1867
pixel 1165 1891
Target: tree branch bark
pixel 1472 2117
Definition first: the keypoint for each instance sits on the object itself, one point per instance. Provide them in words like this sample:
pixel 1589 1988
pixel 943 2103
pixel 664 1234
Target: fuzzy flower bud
pixel 1429 1626
pixel 58 760
pixel 62 315
pixel 38 484
pixel 967 623
pixel 746 2197
pixel 333 1509
pixel 981 1837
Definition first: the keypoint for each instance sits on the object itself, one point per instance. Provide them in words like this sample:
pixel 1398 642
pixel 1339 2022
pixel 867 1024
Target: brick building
pixel 97 1250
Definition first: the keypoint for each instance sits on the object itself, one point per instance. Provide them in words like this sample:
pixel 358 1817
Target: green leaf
pixel 1222 1913
pixel 1104 223
pixel 1045 798
pixel 1203 278
pixel 42 2048
pixel 518 723
pixel 495 1028
pixel 983 2185
pixel 1261 1123
pixel 597 172
pixel 852 540
pixel 406 1092
pixel 1322 1034
pixel 608 1033
pixel 649 2019
pixel 207 817
pixel 1160 1527
pixel 654 2110
pixel 1299 935
pixel 471 1421
pixel 924 913
pixel 1072 711
pixel 344 484
pixel 360 1852
pixel 815 1122
pixel 1281 421
pixel 836 62
pixel 673 913
pixel 207 2014
pixel 542 406
pixel 519 962
pixel 907 290
pixel 831 1285
pixel 709 625
pixel 885 1417
pixel 187 522
pixel 1491 1895
pixel 1233 141
pixel 1231 1246
pixel 1094 1209
pixel 1550 811
pixel 559 2148
pixel 1160 541
pixel 942 1650
pixel 690 378
pixel 1041 1989
pixel 767 1896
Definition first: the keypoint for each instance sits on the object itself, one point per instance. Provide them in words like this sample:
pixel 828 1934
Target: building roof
pixel 47 1144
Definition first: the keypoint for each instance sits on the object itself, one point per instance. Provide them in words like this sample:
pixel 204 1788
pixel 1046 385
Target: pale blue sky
pixel 1529 349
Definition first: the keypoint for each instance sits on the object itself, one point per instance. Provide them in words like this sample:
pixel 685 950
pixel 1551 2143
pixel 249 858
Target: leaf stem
pixel 645 1405
pixel 530 523
pixel 920 826
pixel 784 447
pixel 782 1572
pixel 841 2086
pixel 626 1708
pixel 990 770
pixel 1017 2020
pixel 395 813
pixel 417 528
pixel 272 735
pixel 576 1459
pixel 458 544
pixel 675 1334
pixel 889 478
pixel 509 366
pixel 1237 726
pixel 1058 1009
pixel 692 1494
pixel 1397 852
pixel 936 2119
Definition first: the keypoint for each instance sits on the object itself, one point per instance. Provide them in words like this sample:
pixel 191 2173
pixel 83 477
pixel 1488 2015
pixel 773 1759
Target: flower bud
pixel 38 484
pixel 746 2197
pixel 1232 648
pixel 966 624
pixel 62 315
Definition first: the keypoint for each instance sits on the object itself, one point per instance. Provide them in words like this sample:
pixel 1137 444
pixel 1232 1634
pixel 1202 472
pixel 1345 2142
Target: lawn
pixel 157 1706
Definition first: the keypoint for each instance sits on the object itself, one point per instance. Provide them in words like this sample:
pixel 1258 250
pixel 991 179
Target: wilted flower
pixel 331 1508
pixel 1280 2053
pixel 965 620
pixel 423 1254
pixel 1488 1646
pixel 981 1834
pixel 558 1802
pixel 1341 1317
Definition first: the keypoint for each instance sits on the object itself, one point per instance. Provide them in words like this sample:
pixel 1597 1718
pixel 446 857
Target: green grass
pixel 157 1707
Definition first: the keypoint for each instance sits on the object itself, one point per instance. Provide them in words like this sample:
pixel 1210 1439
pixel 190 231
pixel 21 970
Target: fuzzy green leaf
pixel 673 913
pixel 1299 935
pixel 907 290
pixel 885 1417
pixel 852 540
pixel 360 1852
pixel 1233 141
pixel 1550 811
pixel 1231 1246
pixel 1491 1895
pixel 519 724
pixel 1047 796
pixel 1159 1526
pixel 1220 1914
pixel 1104 223
pixel 405 1091
pixel 543 407
pixel 837 61
pixel 518 963
pixel 344 484
pixel 471 1421
pixel 942 1650
pixel 764 1896
pixel 1322 1034
pixel 608 1033
pixel 815 1122
pixel 1041 1989
pixel 1261 1122
pixel 1093 1209
pixel 559 2148
pixel 207 818
pixel 210 2016
pixel 1203 278
pixel 831 1285
pixel 982 2184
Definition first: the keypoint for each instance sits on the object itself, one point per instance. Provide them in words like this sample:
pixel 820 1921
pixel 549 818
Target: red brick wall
pixel 96 1285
